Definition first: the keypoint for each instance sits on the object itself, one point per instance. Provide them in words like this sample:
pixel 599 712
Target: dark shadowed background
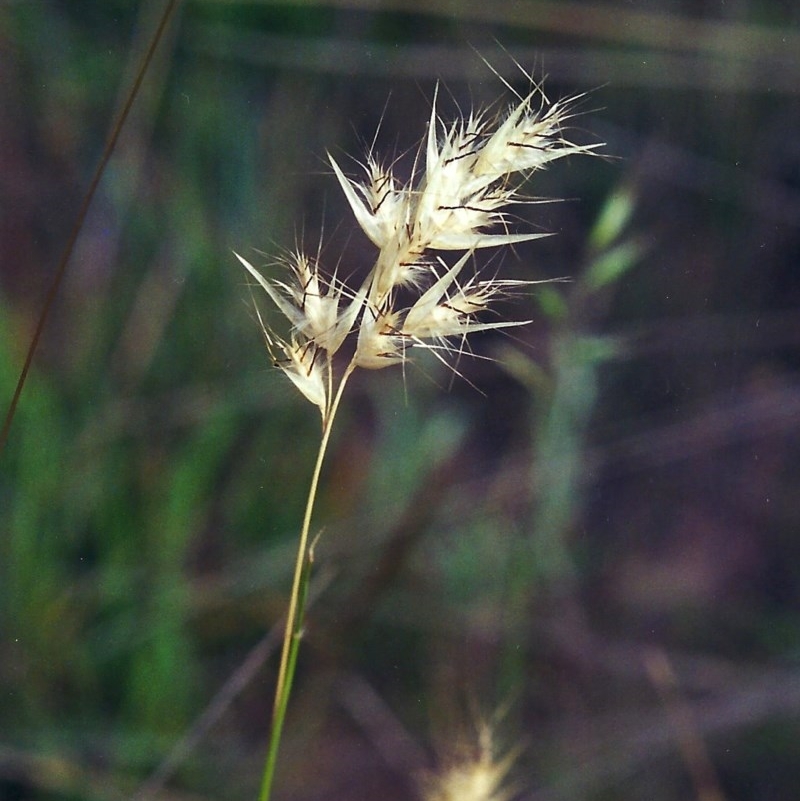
pixel 590 541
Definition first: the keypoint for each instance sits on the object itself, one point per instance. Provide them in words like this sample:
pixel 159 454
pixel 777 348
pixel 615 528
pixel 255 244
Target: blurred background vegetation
pixel 592 543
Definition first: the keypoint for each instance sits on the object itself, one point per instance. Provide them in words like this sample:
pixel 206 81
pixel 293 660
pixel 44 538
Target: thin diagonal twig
pixel 55 284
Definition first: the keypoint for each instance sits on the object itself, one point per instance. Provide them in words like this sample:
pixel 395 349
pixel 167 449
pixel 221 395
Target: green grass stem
pixel 294 615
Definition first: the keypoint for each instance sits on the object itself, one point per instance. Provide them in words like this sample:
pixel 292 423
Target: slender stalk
pixel 66 254
pixel 294 615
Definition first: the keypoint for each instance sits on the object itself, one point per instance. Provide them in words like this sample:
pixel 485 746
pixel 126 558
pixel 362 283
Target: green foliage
pixel 624 481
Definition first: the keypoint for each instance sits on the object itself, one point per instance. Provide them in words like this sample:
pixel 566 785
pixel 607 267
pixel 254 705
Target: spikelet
pixel 477 776
pixel 468 173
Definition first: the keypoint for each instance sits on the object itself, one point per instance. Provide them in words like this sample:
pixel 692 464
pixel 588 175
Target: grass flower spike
pixel 477 774
pixel 455 201
pixel 466 175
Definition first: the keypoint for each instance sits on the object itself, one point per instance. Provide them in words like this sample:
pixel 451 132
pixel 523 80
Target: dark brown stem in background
pixel 84 208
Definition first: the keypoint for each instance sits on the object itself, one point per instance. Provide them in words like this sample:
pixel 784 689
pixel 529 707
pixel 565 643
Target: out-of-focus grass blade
pixel 613 264
pixel 613 219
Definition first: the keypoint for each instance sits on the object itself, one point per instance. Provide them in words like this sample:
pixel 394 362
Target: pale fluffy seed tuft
pixel 480 776
pixel 468 174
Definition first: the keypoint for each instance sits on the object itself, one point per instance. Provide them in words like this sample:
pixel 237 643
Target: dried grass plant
pixel 467 174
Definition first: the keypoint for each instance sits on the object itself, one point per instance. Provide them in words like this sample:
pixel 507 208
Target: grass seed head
pixel 466 176
pixel 477 776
